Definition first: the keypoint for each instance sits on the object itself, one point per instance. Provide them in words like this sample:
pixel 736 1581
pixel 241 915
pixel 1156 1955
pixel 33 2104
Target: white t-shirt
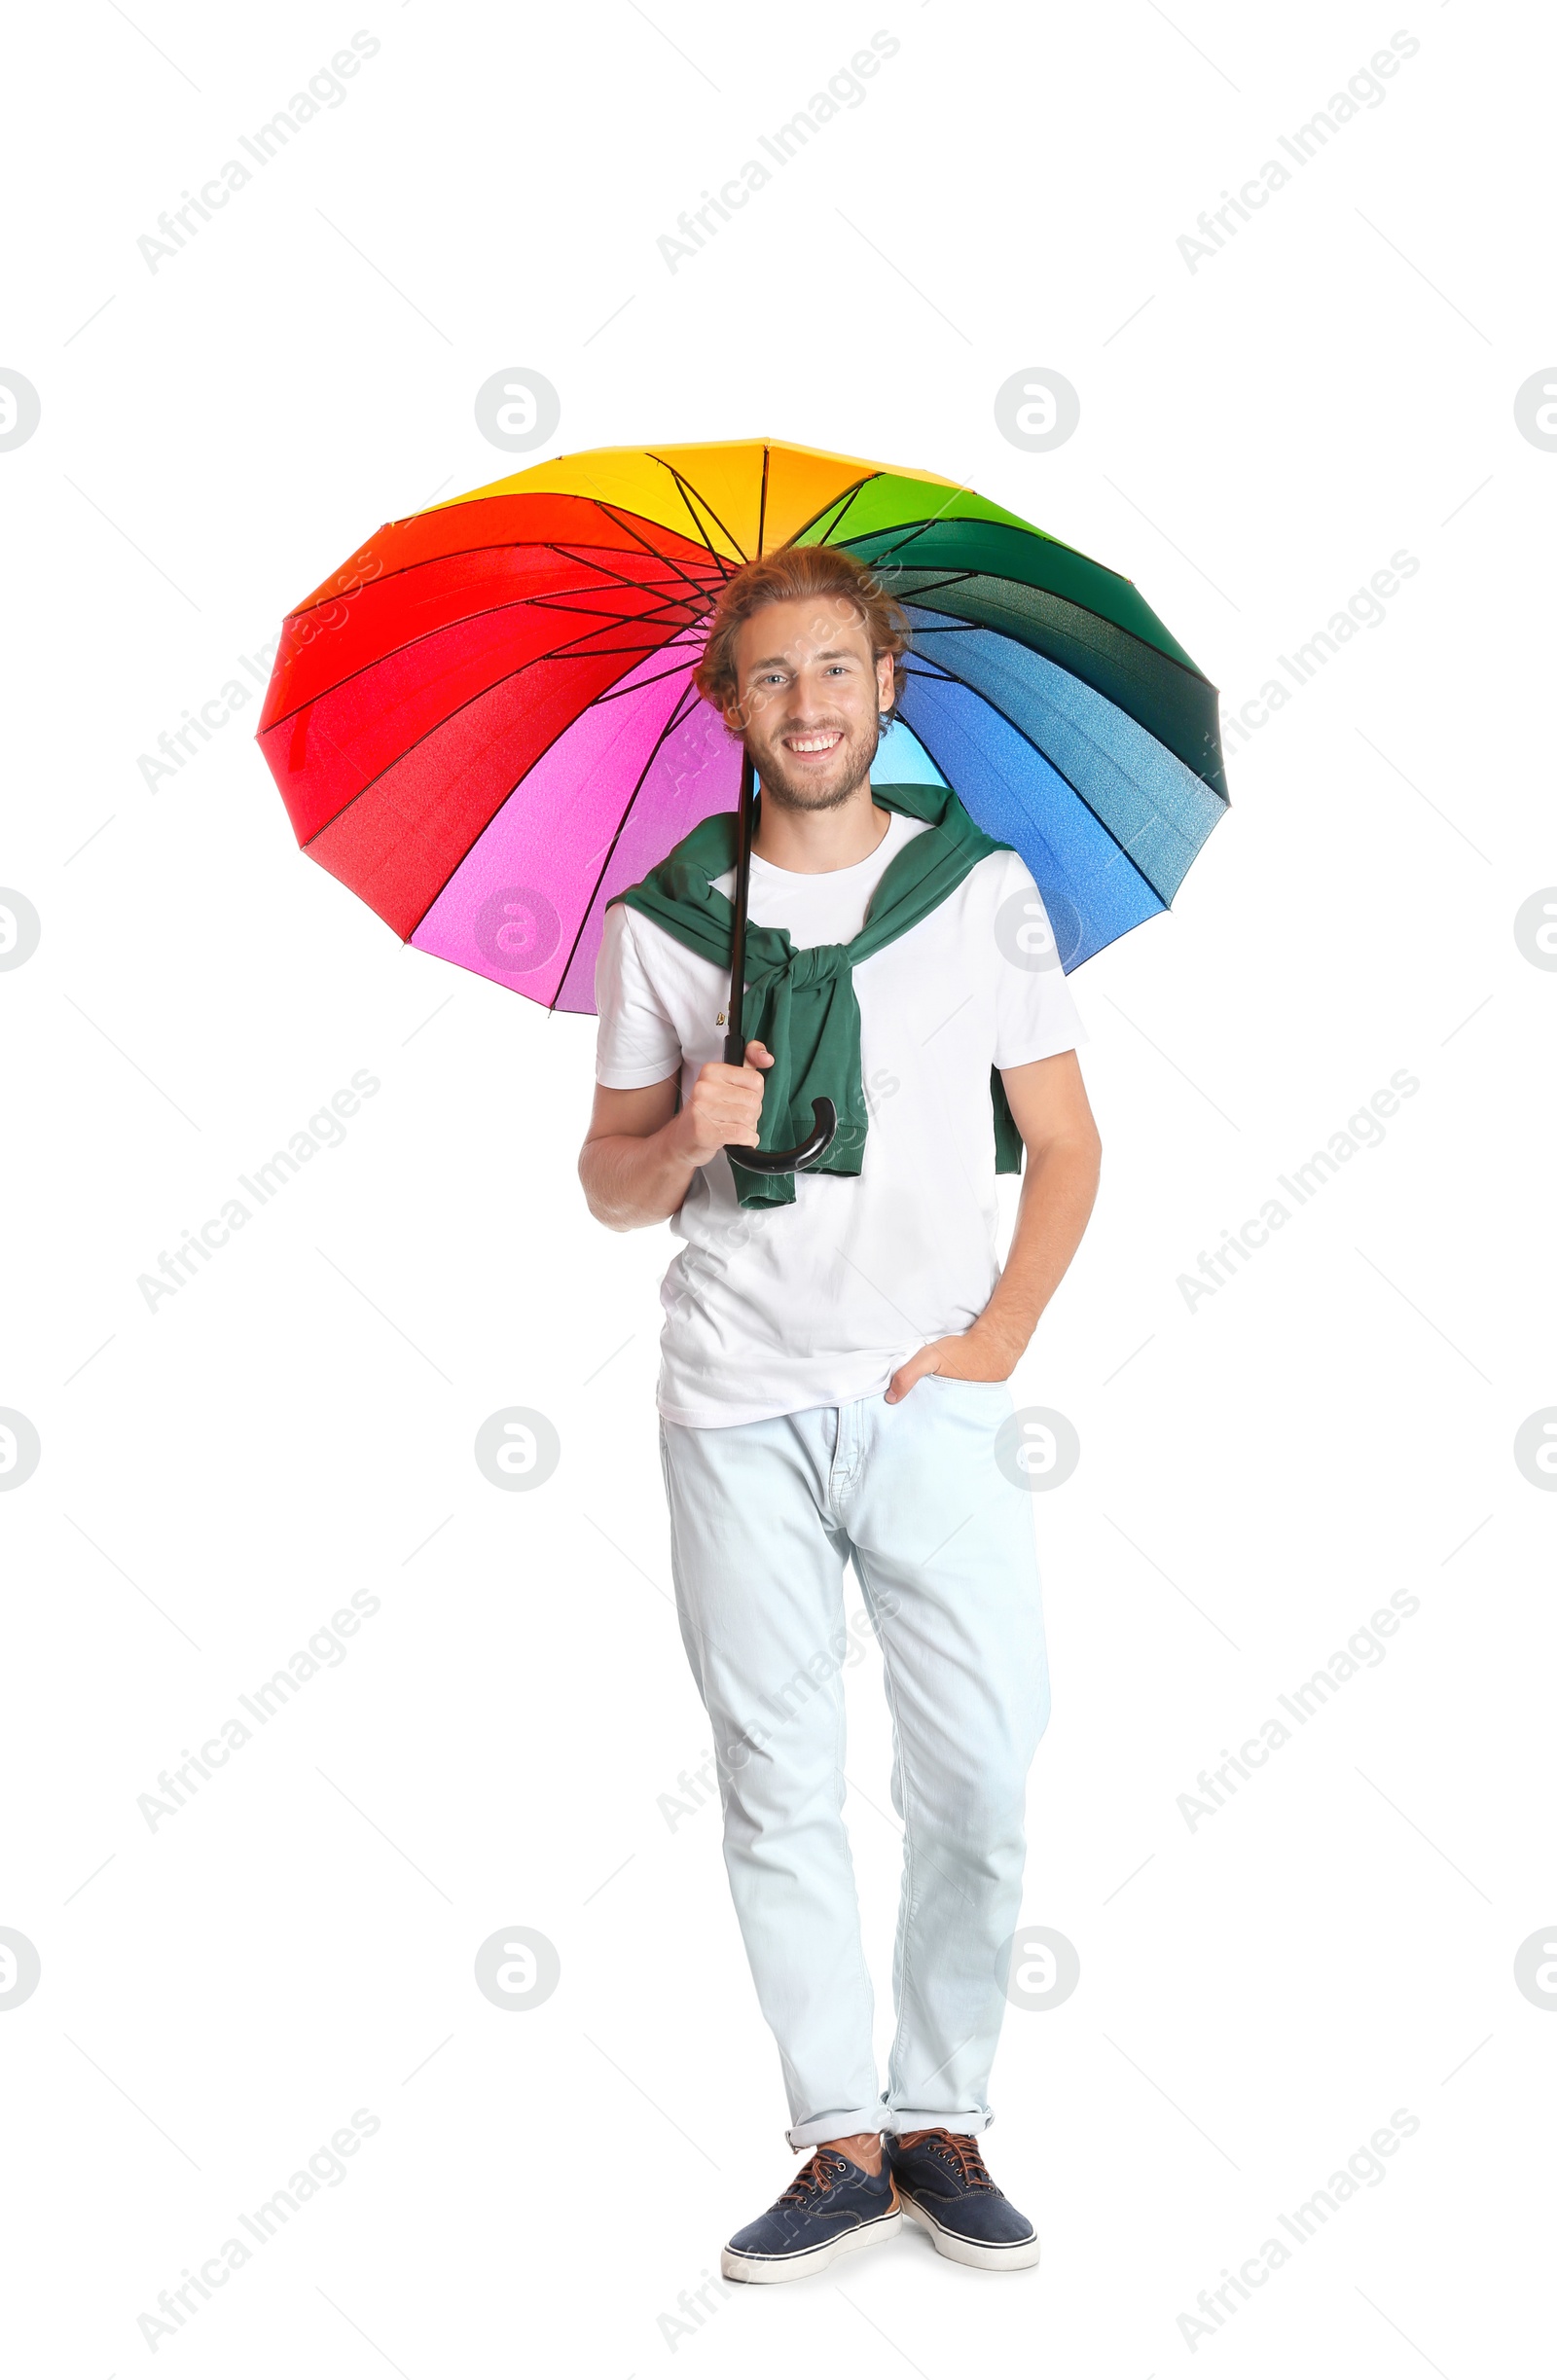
pixel 775 1309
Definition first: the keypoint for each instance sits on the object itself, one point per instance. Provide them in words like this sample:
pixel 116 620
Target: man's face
pixel 810 699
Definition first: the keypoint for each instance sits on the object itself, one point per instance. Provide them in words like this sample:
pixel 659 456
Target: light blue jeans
pixel 763 1518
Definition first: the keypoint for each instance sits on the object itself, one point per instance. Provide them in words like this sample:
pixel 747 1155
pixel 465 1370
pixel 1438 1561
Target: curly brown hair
pixel 784 576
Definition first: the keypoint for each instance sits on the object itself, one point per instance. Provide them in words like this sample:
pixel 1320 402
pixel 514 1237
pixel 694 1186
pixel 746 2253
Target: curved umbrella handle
pixel 820 1139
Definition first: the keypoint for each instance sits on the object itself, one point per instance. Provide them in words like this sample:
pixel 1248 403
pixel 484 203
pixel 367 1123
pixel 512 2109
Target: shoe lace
pixel 961 2151
pixel 820 2172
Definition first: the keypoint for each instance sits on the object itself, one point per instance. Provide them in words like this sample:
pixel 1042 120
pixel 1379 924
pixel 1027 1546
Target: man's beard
pixel 788 795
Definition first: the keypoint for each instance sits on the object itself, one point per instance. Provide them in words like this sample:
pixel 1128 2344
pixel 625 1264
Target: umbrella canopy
pixel 484 722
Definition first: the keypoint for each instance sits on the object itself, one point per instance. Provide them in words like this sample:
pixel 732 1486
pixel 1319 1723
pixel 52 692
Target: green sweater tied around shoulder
pixel 801 1005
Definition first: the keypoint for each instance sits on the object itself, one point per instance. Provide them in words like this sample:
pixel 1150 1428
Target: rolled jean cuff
pixel 840 2124
pixel 930 2119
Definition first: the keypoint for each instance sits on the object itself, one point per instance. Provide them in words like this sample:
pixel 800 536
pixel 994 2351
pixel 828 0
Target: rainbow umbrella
pixel 484 722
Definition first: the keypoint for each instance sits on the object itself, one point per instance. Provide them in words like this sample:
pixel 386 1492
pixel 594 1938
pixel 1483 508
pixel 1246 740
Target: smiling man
pixel 834 1357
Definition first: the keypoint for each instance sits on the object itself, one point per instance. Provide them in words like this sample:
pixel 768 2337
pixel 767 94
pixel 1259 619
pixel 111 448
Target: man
pixel 833 1354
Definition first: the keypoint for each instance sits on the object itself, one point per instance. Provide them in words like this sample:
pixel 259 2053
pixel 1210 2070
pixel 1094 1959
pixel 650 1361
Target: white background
pixel 1257 437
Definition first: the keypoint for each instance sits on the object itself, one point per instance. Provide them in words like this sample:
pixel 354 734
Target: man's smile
pixel 823 741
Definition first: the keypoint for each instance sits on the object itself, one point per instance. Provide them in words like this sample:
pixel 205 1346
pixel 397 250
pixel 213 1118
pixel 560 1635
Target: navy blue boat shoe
pixel 831 2207
pixel 944 2185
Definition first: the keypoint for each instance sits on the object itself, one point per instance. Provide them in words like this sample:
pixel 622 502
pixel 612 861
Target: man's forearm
pixel 631 1182
pixel 639 1175
pixel 1057 1190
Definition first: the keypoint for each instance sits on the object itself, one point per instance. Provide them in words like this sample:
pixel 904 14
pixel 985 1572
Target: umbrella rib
pixel 859 485
pixel 955 578
pixel 966 488
pixel 496 545
pixel 479 695
pixel 1018 730
pixel 684 711
pixel 663 593
pixel 997 578
pixel 669 614
pixel 508 797
pixel 614 694
pixel 626 521
pixel 1031 741
pixel 1034 746
pixel 487 612
pixel 597 639
pixel 916 528
pixel 698 525
pixel 567 647
pixel 574 645
pixel 582 648
pixel 688 491
pixel 913 529
pixel 848 500
pixel 569 554
pixel 511 545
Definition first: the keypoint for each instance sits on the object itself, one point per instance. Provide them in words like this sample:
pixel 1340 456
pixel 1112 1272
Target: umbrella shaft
pixel 735 1040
